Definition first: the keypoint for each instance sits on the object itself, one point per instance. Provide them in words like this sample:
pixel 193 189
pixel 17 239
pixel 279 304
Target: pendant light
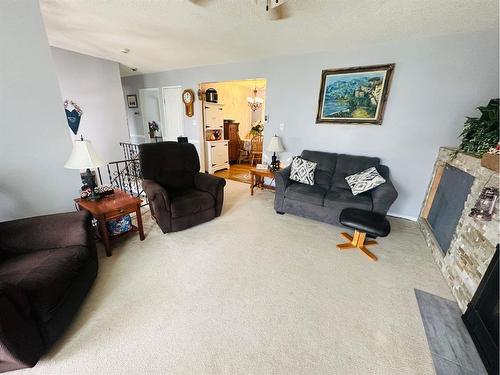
pixel 255 102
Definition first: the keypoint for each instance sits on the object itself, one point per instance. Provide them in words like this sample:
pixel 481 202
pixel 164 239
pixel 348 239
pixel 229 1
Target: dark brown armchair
pixel 47 266
pixel 179 195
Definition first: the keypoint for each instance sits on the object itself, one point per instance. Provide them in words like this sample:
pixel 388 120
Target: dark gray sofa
pixel 325 200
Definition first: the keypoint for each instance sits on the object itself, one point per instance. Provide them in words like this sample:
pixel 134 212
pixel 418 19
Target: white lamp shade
pixel 83 156
pixel 275 145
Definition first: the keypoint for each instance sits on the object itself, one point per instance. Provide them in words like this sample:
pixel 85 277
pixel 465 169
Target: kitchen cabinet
pixel 216 155
pixel 213 116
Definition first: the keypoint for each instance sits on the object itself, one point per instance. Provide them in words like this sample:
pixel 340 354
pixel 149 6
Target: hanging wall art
pixel 73 115
pixel 354 95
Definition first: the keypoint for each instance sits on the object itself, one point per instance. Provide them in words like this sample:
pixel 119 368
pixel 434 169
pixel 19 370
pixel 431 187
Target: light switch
pixel 282 126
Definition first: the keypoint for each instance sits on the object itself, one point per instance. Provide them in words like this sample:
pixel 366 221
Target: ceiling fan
pixel 276 9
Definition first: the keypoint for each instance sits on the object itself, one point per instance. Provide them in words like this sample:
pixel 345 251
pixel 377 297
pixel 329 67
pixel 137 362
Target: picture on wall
pixel 354 95
pixel 132 101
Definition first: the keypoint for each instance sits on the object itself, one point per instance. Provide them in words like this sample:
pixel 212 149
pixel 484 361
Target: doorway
pixel 239 128
pixel 172 112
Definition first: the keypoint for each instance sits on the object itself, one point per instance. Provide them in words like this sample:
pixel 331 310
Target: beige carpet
pixel 253 292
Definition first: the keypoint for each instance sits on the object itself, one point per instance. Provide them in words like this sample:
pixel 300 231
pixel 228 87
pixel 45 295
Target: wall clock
pixel 188 99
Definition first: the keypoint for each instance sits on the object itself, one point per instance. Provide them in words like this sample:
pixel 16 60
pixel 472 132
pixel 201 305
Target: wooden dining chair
pixel 256 149
pixel 244 154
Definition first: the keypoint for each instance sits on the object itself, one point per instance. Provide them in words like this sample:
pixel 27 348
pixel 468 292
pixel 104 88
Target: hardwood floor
pixel 236 172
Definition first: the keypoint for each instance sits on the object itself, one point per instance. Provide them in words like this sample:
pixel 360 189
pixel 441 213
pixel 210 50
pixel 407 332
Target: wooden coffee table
pixel 258 176
pixel 110 208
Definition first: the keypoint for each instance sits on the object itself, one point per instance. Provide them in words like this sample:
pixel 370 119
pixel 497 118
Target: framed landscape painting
pixel 354 95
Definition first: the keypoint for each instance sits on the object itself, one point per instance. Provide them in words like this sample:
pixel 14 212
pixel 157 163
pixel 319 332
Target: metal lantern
pixel 485 205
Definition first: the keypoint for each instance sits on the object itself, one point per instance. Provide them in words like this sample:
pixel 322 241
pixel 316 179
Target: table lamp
pixel 275 146
pixel 84 156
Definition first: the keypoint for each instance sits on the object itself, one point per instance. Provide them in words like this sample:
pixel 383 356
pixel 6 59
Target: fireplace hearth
pixel 465 247
pixel 481 317
pixel 470 243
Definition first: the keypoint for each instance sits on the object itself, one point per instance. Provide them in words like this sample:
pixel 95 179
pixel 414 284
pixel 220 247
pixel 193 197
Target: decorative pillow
pixel 302 170
pixel 364 181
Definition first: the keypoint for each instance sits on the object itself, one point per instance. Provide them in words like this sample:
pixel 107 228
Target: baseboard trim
pixel 407 217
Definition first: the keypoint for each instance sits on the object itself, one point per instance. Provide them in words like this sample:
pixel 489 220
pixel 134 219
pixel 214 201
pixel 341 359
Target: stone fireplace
pixel 456 183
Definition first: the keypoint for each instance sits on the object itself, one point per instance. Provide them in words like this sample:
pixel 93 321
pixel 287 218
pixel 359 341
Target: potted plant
pixel 491 159
pixel 479 135
pixel 256 129
pixel 153 127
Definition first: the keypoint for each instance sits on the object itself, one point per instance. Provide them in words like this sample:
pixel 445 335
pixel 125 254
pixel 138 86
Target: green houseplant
pixel 481 134
pixel 256 129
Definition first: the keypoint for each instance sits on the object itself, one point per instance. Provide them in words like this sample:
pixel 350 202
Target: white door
pixel 173 113
pixel 149 100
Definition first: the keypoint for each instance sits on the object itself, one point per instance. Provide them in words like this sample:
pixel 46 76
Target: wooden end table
pixel 109 208
pixel 258 176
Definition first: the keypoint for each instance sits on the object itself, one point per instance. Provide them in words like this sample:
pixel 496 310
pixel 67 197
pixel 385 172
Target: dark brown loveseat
pixel 179 195
pixel 47 266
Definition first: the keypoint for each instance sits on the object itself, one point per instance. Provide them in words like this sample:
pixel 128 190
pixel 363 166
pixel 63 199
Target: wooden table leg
pixel 139 222
pixel 252 185
pixel 105 236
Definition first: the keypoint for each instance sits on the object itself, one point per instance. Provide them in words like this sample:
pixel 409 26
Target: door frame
pixel 145 126
pixel 201 126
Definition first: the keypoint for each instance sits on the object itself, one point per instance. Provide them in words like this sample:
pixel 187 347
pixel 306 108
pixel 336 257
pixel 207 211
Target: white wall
pixel 94 84
pixel 34 144
pixel 437 82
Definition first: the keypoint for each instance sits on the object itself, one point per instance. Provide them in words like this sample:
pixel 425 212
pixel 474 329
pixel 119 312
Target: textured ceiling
pixel 170 34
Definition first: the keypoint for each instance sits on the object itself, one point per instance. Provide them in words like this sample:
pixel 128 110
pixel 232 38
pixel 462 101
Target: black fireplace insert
pixel 481 317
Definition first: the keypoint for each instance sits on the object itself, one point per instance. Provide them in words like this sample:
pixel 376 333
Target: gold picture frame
pixel 356 95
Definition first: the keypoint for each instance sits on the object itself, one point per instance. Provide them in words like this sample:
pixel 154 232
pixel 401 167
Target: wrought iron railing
pixel 125 174
pixel 130 150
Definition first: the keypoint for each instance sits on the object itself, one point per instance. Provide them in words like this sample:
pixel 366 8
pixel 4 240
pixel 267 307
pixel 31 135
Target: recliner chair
pixel 179 195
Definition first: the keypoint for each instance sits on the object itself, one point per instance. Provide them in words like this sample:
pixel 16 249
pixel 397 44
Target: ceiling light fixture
pixel 255 102
pixel 126 50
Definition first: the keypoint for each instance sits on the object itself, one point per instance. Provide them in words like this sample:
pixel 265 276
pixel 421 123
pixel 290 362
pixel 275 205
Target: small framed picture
pixel 132 101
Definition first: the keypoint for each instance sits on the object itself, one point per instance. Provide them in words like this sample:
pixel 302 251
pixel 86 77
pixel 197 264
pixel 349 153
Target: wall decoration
pixel 188 99
pixel 354 95
pixel 132 101
pixel 485 205
pixel 73 115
